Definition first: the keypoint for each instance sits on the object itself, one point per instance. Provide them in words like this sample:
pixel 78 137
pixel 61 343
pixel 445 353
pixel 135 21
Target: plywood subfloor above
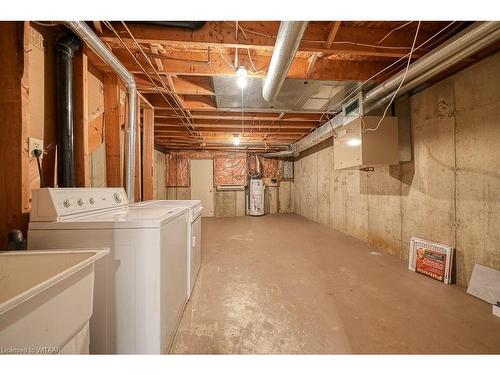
pixel 283 284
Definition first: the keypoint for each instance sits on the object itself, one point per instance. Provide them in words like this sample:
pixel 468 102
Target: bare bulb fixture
pixel 236 140
pixel 241 75
pixel 354 142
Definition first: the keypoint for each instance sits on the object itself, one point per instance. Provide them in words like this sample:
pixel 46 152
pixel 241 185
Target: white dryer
pixel 194 233
pixel 140 288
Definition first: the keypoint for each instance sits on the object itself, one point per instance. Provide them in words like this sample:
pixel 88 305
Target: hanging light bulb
pixel 354 142
pixel 241 73
pixel 236 140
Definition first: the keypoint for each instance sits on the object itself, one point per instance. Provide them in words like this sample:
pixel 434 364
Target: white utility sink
pixel 46 300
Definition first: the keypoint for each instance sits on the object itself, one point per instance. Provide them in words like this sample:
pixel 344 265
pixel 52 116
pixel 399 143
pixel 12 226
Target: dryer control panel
pixel 56 204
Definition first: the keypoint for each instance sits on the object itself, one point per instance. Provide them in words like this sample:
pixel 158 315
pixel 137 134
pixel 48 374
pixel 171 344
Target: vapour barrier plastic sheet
pixel 269 168
pixel 230 169
pixel 177 169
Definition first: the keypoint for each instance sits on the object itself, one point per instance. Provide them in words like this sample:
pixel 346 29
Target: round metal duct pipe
pixel 471 40
pixel 459 42
pixel 441 67
pixel 85 33
pixel 287 43
pixel 278 154
pixel 66 47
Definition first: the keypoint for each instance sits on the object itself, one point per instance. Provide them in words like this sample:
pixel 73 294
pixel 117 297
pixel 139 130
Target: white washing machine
pixel 140 288
pixel 194 233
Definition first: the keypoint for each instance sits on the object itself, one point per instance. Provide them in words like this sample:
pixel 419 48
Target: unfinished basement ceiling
pixel 189 76
pixel 296 95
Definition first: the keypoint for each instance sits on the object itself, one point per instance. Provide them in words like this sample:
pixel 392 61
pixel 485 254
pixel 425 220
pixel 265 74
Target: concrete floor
pixel 283 284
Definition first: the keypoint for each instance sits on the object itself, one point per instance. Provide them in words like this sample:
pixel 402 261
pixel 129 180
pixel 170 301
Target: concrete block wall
pixel 449 193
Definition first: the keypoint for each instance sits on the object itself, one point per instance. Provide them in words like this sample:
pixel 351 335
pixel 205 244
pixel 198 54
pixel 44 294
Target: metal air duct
pixel 85 33
pixel 445 53
pixel 66 46
pixel 473 39
pixel 469 50
pixel 287 43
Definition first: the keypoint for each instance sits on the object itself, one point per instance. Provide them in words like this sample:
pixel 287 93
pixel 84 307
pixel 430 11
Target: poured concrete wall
pixel 449 193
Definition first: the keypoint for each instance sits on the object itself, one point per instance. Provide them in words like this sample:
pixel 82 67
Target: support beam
pixel 138 154
pixel 330 68
pixel 262 36
pixel 331 35
pixel 326 68
pixel 233 129
pixel 81 134
pixel 238 124
pixel 312 61
pixel 147 152
pixel 97 26
pixel 154 49
pixel 184 85
pixel 233 115
pixel 14 128
pixel 112 130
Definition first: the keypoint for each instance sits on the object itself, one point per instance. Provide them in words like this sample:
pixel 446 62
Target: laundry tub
pixel 46 300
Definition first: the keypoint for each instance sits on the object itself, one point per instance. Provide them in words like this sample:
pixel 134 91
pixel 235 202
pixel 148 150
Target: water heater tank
pixel 255 197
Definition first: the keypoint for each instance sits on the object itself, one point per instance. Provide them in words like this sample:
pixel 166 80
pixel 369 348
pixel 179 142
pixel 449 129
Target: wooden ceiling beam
pixel 227 141
pixel 233 123
pixel 247 130
pixel 324 69
pixel 262 36
pixel 178 128
pixel 189 102
pixel 332 34
pixel 228 115
pixel 311 62
pixel 155 47
pixel 229 136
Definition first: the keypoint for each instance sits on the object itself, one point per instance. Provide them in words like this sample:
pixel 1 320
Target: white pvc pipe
pixel 85 33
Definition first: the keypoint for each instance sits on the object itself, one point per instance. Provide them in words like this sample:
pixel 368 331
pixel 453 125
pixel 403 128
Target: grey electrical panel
pixel 288 169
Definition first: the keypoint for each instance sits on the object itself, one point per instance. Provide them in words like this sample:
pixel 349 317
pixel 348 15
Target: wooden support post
pixel 14 128
pixel 112 130
pixel 147 152
pixel 138 163
pixel 80 92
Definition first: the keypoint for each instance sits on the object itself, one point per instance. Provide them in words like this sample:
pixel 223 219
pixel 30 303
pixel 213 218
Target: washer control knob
pixel 67 203
pixel 81 202
pixel 91 200
pixel 117 197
